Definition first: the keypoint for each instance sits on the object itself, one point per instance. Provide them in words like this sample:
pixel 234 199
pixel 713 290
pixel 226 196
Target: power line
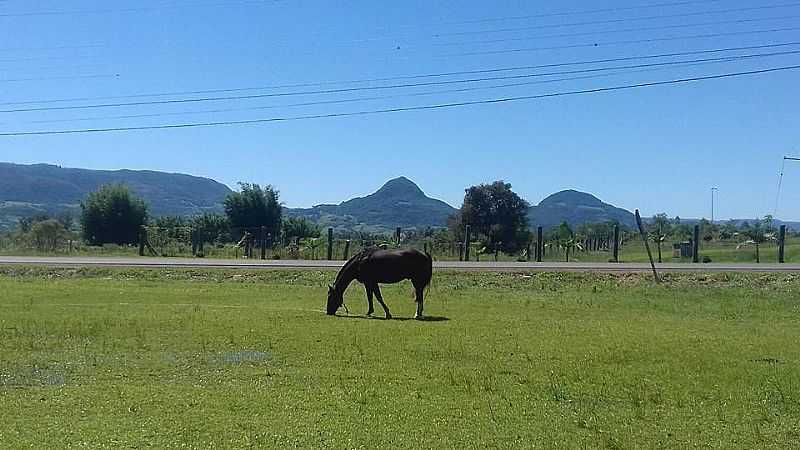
pixel 382 97
pixel 57 47
pixel 607 21
pixel 621 20
pixel 404 109
pixel 409 77
pixel 622 30
pixel 383 36
pixel 129 10
pixel 323 91
pixel 625 42
pixel 59 77
pixel 38 58
pixel 585 11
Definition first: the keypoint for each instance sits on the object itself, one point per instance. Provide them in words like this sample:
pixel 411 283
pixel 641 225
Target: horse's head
pixel 335 301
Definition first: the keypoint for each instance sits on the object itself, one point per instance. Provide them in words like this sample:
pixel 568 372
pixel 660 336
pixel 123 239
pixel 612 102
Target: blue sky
pixel 657 149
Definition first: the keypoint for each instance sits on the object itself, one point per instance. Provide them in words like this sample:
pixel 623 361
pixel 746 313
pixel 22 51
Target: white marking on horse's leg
pixel 419 300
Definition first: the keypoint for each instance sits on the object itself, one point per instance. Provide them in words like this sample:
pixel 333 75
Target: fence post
pixel 539 244
pixel 781 244
pixel 330 243
pixel 347 249
pixel 696 245
pixel 466 243
pixel 142 238
pixel 263 242
pixel 397 235
pixel 460 251
pixel 616 243
pixel 528 252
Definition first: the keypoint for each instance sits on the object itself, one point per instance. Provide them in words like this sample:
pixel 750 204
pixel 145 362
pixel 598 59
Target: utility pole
pixel 713 189
pixel 780 182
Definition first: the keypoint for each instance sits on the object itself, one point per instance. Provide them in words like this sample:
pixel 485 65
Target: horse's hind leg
pixel 420 298
pixel 377 291
pixel 369 300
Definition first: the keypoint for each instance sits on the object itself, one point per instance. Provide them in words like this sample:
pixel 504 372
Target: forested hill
pixel 26 190
pixel 399 203
pixel 576 208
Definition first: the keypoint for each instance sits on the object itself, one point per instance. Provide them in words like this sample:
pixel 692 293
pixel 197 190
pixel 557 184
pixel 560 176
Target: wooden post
pixel 539 244
pixel 466 243
pixel 696 245
pixel 263 242
pixel 460 251
pixel 616 243
pixel 528 252
pixel 330 243
pixel 193 237
pixel 347 249
pixel 782 244
pixel 646 245
pixel 142 239
pixel 397 235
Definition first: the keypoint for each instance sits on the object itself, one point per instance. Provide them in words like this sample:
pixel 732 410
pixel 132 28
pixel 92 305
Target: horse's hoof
pixel 369 313
pixel 419 317
pixel 388 317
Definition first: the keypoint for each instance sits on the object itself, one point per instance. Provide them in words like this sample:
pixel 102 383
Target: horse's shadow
pixel 401 319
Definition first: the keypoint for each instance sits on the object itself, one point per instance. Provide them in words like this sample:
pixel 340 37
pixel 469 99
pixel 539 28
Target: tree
pixel 211 227
pixel 26 223
pixel 661 229
pixel 567 240
pixel 254 207
pixel 300 227
pixel 47 234
pixel 707 230
pixel 112 215
pixel 758 233
pixel 728 230
pixel 66 219
pixel 497 215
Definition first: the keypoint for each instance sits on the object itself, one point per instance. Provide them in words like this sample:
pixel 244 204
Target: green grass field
pixel 202 359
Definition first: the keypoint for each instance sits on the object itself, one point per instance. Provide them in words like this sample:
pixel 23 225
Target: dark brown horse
pixel 372 267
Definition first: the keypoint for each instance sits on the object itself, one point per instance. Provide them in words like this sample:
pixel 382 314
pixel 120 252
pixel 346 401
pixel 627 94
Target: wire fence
pixel 258 243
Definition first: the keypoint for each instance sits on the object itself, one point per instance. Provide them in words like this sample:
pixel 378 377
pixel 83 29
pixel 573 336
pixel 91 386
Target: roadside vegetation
pixel 113 222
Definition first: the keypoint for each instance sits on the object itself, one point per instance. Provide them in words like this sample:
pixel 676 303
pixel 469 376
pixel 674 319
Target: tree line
pixel 497 217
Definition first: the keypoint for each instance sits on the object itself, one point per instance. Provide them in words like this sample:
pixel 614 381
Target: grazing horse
pixel 372 266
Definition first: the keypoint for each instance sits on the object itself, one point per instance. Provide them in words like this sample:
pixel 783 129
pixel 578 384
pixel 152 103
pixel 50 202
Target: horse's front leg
pixel 369 300
pixel 378 295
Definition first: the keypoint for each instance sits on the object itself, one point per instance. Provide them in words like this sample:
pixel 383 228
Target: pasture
pixel 200 359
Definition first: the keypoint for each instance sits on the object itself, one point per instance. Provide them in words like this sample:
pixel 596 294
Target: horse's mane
pixel 353 261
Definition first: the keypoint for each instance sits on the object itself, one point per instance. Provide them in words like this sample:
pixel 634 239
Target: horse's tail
pixel 429 274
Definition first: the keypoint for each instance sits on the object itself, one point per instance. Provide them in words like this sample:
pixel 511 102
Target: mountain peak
pixel 573 197
pixel 575 208
pixel 401 186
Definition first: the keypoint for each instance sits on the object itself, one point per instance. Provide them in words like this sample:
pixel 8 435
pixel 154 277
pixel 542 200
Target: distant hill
pixel 792 226
pixel 26 190
pixel 399 203
pixel 576 208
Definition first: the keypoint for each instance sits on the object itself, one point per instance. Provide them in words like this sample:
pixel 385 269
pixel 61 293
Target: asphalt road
pixel 488 266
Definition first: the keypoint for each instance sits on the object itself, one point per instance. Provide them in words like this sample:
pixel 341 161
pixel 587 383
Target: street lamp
pixel 713 189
